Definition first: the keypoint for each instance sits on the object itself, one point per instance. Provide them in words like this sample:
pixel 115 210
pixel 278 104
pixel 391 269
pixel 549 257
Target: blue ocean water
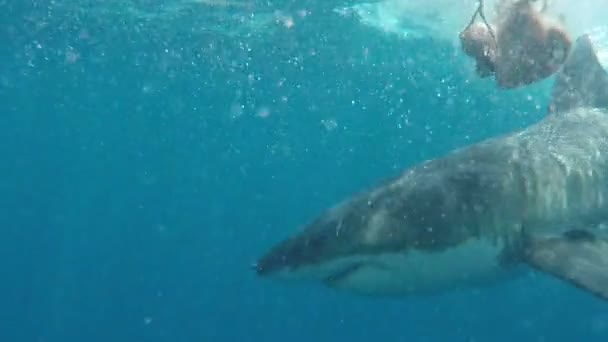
pixel 152 152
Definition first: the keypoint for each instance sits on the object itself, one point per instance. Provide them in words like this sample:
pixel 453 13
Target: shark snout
pixel 286 257
pixel 261 269
pixel 270 264
pixel 257 268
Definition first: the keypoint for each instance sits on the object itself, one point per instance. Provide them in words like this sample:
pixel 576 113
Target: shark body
pixel 538 197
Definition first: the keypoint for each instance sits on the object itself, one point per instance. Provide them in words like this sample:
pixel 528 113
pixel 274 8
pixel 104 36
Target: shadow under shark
pixel 538 197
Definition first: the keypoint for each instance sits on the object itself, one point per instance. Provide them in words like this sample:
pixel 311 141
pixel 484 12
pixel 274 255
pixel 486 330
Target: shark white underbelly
pixel 474 263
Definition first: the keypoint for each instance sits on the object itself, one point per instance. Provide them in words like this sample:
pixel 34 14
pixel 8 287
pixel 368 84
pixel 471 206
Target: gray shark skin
pixel 537 197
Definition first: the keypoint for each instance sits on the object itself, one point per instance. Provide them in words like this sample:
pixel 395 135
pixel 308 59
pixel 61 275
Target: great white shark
pixel 537 197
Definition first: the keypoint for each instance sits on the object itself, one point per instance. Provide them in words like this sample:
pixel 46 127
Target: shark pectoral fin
pixel 577 257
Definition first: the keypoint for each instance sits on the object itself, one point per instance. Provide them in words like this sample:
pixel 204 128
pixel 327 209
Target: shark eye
pixel 315 243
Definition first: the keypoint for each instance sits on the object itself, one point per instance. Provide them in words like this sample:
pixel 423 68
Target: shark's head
pixel 395 238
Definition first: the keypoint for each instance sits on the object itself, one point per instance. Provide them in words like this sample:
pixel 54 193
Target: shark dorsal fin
pixel 582 81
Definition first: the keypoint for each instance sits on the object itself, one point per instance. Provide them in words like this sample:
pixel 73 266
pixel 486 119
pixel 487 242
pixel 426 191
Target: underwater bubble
pixel 329 124
pixel 263 112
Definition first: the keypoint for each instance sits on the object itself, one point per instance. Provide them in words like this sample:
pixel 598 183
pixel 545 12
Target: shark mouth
pixel 343 273
pixel 340 275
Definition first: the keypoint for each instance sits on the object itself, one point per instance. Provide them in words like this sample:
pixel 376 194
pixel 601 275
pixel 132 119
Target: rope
pixel 479 11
